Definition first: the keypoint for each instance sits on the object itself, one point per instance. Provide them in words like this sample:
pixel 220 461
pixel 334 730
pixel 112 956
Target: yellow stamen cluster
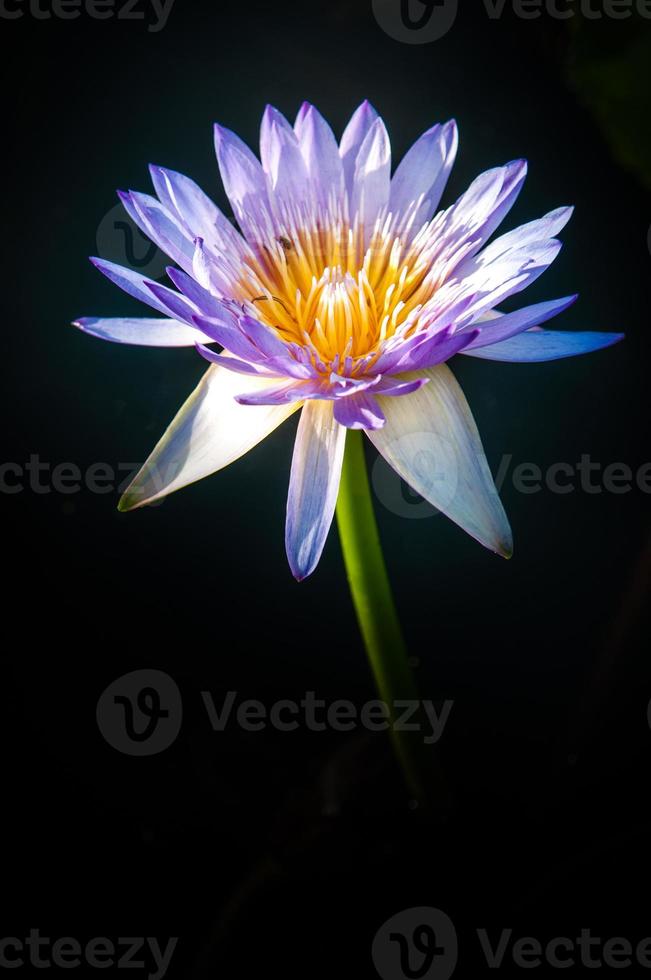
pixel 328 285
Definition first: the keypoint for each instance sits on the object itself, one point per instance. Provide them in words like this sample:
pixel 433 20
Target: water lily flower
pixel 343 294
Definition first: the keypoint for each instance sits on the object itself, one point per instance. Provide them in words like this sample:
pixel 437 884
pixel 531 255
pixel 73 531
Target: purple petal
pixel 265 338
pixel 244 181
pixel 509 324
pixel 159 225
pixel 359 412
pixel 352 139
pixel 178 305
pixel 372 181
pixel 217 274
pixel 281 158
pixel 226 331
pixel 232 363
pixel 290 391
pixel 425 170
pixel 434 350
pixel 202 299
pixel 195 211
pixel 321 154
pixel 391 387
pixel 131 282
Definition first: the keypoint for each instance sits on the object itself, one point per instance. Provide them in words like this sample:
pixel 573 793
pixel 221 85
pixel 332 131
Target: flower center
pixel 327 289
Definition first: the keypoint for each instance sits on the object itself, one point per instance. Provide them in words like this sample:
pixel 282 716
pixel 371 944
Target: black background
pixel 285 853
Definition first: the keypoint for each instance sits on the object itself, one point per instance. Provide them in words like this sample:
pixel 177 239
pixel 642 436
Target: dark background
pixel 285 853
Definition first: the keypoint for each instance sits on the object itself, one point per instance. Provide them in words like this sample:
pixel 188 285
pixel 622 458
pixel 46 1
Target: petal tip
pixel 126 502
pixel 505 550
pixel 133 498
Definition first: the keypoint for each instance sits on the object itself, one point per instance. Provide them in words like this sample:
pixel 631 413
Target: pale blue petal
pixel 313 486
pixel 546 345
pixel 141 331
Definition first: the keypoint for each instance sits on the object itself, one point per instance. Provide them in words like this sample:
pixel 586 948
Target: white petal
pixel 431 440
pixel 210 431
pixel 313 486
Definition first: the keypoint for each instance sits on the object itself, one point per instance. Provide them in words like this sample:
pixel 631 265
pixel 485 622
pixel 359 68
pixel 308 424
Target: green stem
pixel 373 601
